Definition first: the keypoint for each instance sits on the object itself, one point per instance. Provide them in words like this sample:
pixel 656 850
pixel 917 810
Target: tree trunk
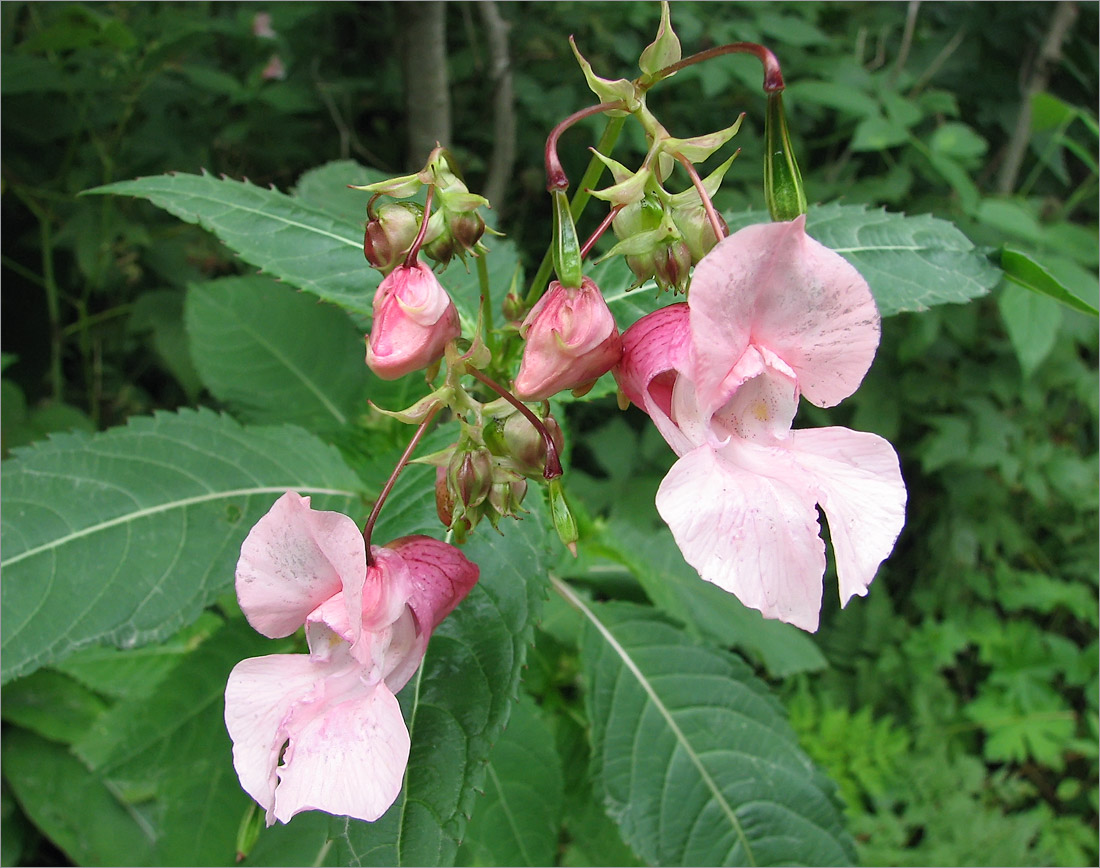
pixel 427 86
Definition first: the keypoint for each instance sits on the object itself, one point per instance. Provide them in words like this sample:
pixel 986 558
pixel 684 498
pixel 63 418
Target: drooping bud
pixel 652 244
pixel 783 190
pixel 571 338
pixel 390 234
pixel 469 477
pixel 414 318
pixel 506 495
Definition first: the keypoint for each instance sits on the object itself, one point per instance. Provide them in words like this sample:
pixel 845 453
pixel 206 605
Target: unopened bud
pixel 390 234
pixel 672 266
pixel 697 230
pixel 470 476
pixel 513 307
pixel 783 190
pixel 506 495
pixel 526 446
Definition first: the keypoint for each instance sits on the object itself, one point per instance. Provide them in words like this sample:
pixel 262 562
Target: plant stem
pixel 414 251
pixel 486 309
pixel 708 206
pixel 600 230
pixel 773 76
pixel 368 528
pixel 556 178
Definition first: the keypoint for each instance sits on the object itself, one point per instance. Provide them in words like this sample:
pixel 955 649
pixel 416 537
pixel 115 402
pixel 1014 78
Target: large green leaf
pixel 299 242
pixel 123 537
pixel 276 355
pixel 459 701
pixel 518 819
pixel 696 760
pixel 910 262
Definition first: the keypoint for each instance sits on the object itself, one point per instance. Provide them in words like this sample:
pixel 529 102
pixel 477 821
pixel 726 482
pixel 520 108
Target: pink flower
pixel 323 731
pixel 414 318
pixel 572 340
pixel 275 69
pixel 261 25
pixel 771 315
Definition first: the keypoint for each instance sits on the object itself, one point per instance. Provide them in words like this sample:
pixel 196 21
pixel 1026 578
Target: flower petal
pixel 860 488
pixel 346 757
pixel 774 286
pixel 655 350
pixel 749 527
pixel 259 697
pixel 293 560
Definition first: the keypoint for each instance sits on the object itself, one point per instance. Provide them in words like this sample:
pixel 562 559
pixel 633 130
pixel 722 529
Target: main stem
pixel 773 76
pixel 368 528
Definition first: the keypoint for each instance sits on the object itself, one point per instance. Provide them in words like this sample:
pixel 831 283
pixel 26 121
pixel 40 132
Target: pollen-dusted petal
pixel 752 534
pixel 293 560
pixel 259 697
pixel 859 485
pixel 774 286
pixel 346 758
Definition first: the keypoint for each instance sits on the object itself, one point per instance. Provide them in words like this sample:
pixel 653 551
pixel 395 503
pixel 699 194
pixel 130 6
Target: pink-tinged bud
pixel 390 234
pixel 414 318
pixel 571 341
pixel 672 266
pixel 525 446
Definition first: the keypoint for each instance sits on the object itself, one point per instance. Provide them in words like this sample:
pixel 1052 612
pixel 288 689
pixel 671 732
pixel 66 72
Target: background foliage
pixel 955 707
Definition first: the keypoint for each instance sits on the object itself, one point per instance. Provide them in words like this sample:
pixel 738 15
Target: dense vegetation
pixel 955 706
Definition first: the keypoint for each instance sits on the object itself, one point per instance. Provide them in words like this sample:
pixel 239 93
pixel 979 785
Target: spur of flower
pixel 772 315
pixel 323 730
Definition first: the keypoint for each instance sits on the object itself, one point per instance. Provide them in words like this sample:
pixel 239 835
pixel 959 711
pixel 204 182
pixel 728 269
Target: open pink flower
pixel 571 338
pixel 771 315
pixel 414 318
pixel 323 731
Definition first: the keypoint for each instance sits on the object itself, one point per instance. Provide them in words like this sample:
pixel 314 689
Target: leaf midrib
pixel 575 601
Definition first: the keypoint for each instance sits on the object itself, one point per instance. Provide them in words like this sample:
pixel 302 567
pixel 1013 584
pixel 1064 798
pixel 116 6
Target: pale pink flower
pixel 572 340
pixel 261 25
pixel 414 318
pixel 771 315
pixel 275 69
pixel 323 730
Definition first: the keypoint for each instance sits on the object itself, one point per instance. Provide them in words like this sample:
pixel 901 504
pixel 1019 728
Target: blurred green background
pixel 958 706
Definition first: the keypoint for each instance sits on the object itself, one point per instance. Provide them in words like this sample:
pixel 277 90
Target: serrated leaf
pixel 288 238
pixel 696 760
pixel 910 262
pixel 275 355
pixel 326 187
pixel 518 819
pixel 123 537
pixel 459 701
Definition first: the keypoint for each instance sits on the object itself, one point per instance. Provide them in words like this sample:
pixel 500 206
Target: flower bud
pixel 525 446
pixel 390 234
pixel 414 318
pixel 506 495
pixel 469 477
pixel 571 339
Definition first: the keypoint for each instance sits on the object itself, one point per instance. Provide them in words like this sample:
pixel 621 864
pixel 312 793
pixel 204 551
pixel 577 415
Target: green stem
pixel 576 207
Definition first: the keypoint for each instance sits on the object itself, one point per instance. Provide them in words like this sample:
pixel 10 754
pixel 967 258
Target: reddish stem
pixel 553 462
pixel 708 206
pixel 773 76
pixel 414 251
pixel 600 230
pixel 368 528
pixel 556 178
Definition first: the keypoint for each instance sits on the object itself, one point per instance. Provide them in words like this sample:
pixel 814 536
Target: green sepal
pixel 783 190
pixel 567 248
pixel 606 89
pixel 662 51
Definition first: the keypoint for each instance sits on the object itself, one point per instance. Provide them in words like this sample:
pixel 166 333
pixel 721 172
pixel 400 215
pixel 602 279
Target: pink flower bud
pixel 390 234
pixel 414 318
pixel 571 341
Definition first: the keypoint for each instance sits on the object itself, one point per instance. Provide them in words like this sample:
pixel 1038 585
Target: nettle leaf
pixel 292 239
pixel 696 760
pixel 518 819
pixel 123 537
pixel 247 343
pixel 910 262
pixel 459 701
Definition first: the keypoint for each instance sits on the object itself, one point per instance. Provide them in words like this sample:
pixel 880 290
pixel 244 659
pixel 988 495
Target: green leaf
pixel 876 133
pixel 77 810
pixel 172 749
pixel 1032 321
pixel 708 611
pixel 910 262
pixel 518 819
pixel 275 355
pixel 326 187
pixel 288 238
pixel 696 760
pixel 123 537
pixel 52 705
pixel 1021 269
pixel 459 701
